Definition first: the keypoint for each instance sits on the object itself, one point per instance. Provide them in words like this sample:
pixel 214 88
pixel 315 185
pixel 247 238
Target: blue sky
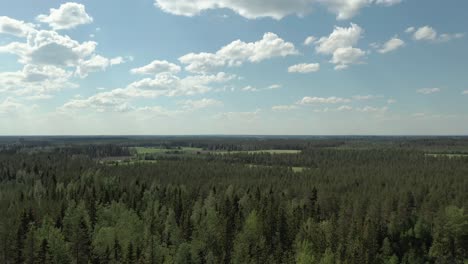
pixel 315 67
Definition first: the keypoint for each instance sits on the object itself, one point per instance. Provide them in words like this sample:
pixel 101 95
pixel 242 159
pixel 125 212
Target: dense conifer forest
pixel 234 200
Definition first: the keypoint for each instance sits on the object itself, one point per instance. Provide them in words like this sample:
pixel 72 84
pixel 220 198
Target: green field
pixel 151 150
pixel 439 155
pixel 270 151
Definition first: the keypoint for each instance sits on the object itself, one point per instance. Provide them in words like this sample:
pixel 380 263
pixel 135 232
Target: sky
pixel 251 67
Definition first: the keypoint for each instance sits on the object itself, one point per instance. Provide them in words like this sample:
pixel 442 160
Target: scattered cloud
pixel 341 37
pixel 250 88
pixel 283 108
pixel 96 63
pixel 199 104
pixel 15 27
pixel 274 86
pixel 340 44
pixel 10 106
pixel 309 40
pixel 391 45
pixel 365 97
pixel 35 79
pixel 157 67
pixel 164 84
pixel 67 16
pixel 345 108
pixel 428 90
pixel 371 109
pixel 427 33
pixel 465 92
pixel 241 116
pixel 410 30
pixel 304 68
pixel 343 57
pixel 323 100
pixel 343 9
pixel 391 101
pixel 238 52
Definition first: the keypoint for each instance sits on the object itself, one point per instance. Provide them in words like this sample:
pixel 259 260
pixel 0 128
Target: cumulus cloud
pixel 238 52
pixel 96 63
pixel 50 48
pixel 427 33
pixel 341 37
pixel 10 106
pixel 191 105
pixel 364 97
pixel 164 84
pixel 15 27
pixel 283 108
pixel 274 86
pixel 340 44
pixel 304 68
pixel 428 90
pixel 322 100
pixel 371 109
pixel 309 40
pixel 157 67
pixel 67 16
pixel 277 9
pixel 343 57
pixel 391 45
pixel 465 92
pixel 35 79
pixel 250 88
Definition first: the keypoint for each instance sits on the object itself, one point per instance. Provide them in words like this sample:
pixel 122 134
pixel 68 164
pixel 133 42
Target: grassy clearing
pixel 151 150
pixel 295 169
pixel 270 151
pixel 438 155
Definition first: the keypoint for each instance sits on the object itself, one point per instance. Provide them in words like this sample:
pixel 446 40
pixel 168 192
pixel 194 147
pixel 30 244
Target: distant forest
pixel 321 200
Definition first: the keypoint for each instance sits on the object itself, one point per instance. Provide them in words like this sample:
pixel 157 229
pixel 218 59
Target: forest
pixel 321 200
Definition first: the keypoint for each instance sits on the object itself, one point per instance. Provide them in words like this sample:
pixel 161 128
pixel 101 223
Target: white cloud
pixel 157 67
pixel 391 101
pixel 238 52
pixel 274 86
pixel 283 108
pixel 96 63
pixel 304 68
pixel 68 15
pixel 15 27
pixel 344 108
pixel 249 88
pixel 391 45
pixel 428 33
pixel 323 100
pixel 410 30
pixel 277 9
pixel 425 33
pixel 309 40
pixel 340 38
pixel 340 44
pixel 364 97
pixel 35 79
pixel 164 84
pixel 343 57
pixel 241 116
pixel 428 90
pixel 50 48
pixel 465 92
pixel 11 106
pixel 200 104
pixel 371 109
